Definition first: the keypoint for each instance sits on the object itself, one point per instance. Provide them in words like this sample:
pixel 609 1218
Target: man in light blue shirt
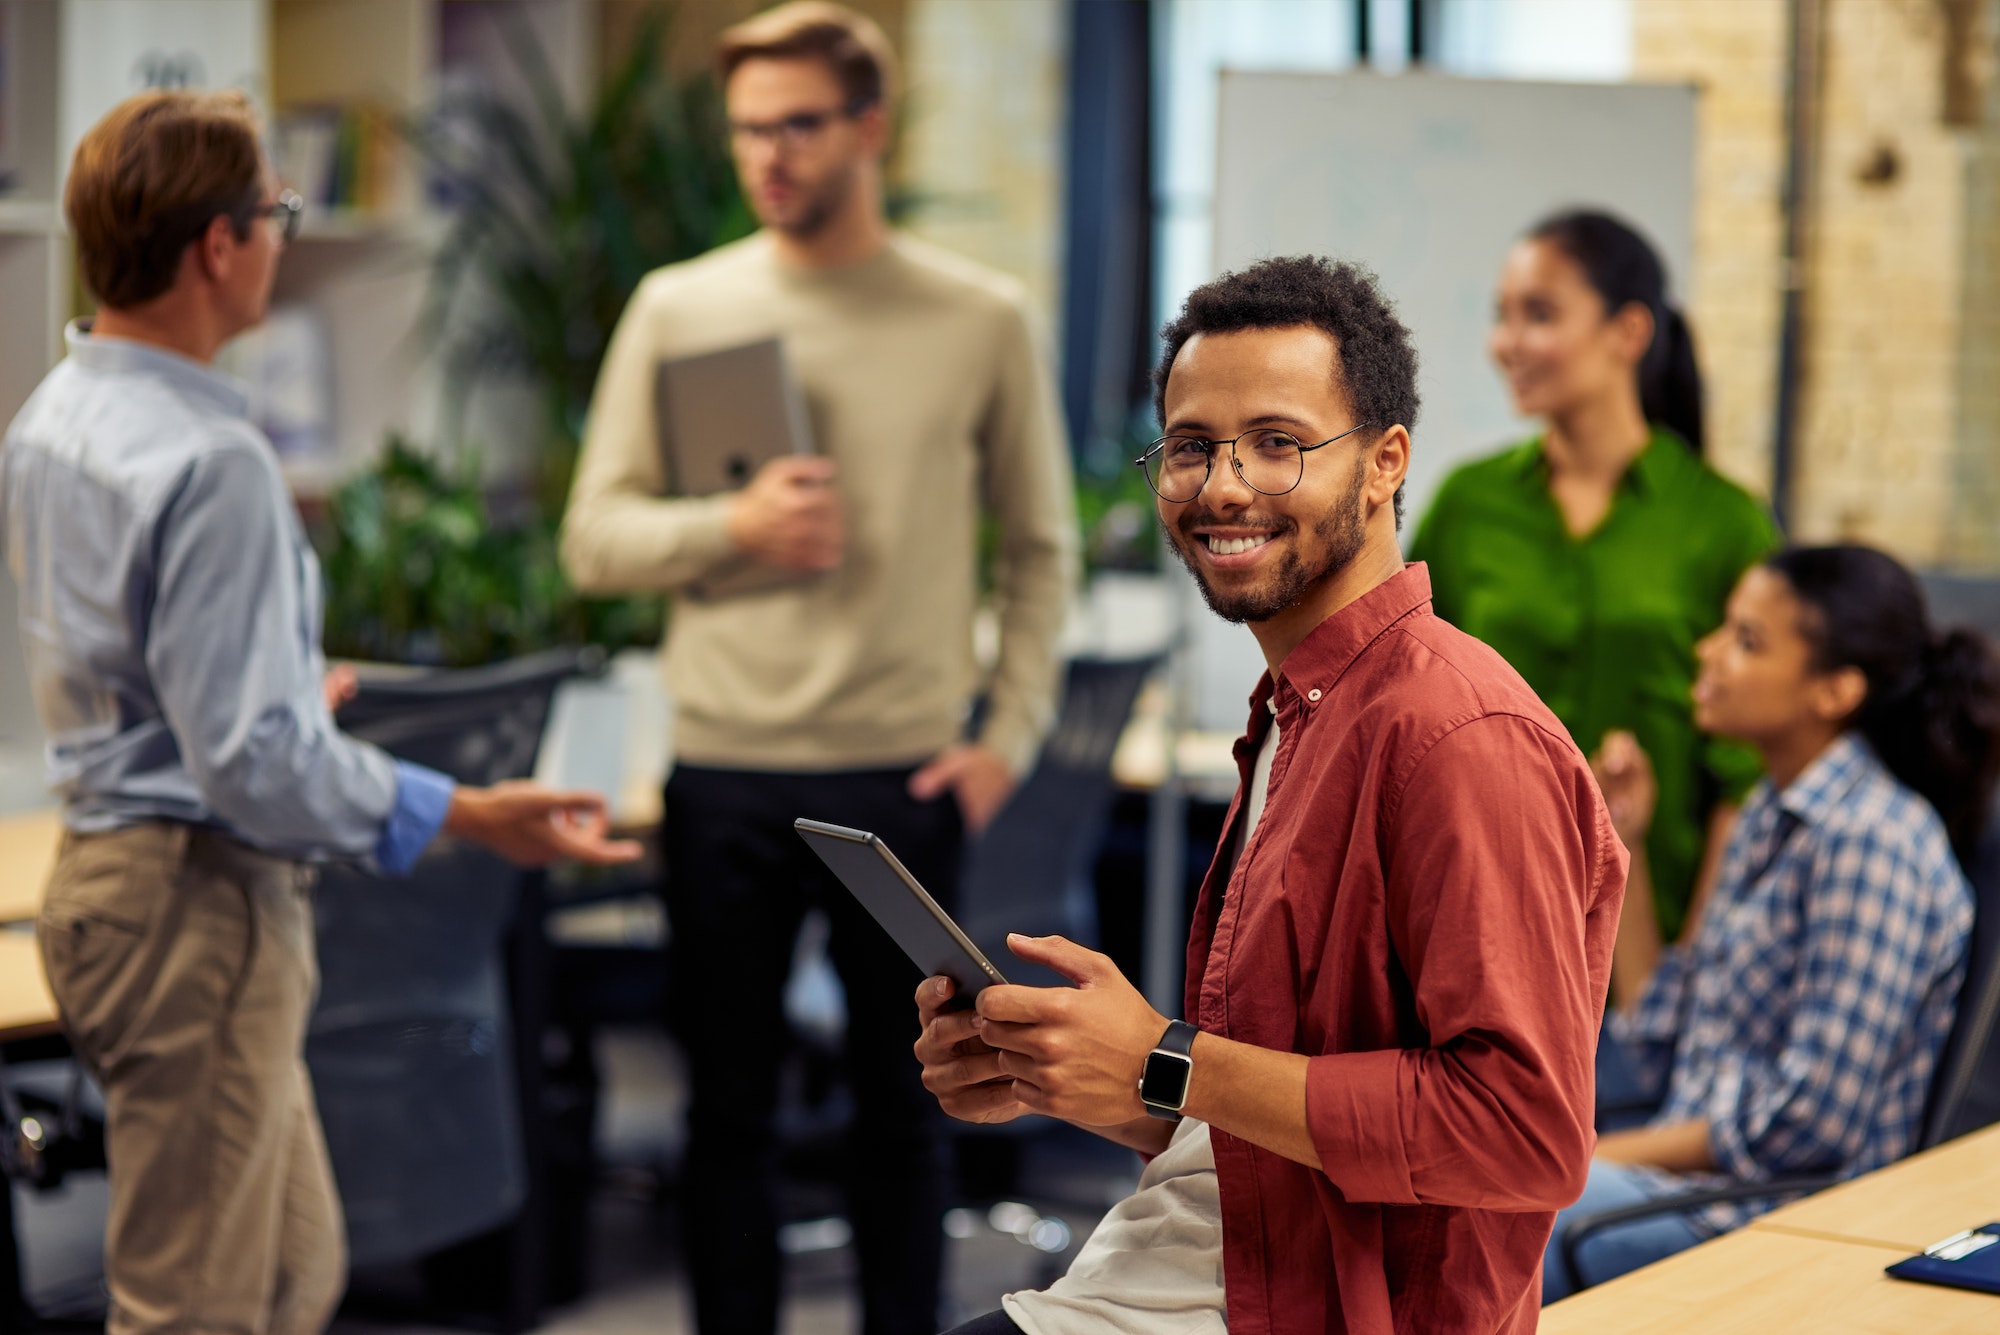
pixel 170 611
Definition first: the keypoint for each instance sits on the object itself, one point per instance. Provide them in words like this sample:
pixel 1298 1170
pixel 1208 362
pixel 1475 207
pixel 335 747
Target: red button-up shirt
pixel 1426 909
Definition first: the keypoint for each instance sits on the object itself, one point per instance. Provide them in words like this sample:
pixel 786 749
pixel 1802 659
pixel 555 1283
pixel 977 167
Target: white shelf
pixel 30 217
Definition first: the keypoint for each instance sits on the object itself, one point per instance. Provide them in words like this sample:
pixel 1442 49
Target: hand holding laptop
pixel 789 515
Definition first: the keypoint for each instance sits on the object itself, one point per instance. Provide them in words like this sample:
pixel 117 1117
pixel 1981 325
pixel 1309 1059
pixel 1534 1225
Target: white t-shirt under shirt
pixel 1153 1266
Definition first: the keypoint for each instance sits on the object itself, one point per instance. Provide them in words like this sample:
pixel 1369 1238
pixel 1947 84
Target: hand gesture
pixel 533 825
pixel 789 516
pixel 339 686
pixel 1073 1053
pixel 1625 777
pixel 978 778
pixel 959 1067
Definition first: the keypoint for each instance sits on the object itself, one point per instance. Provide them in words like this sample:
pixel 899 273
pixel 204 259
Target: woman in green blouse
pixel 1594 555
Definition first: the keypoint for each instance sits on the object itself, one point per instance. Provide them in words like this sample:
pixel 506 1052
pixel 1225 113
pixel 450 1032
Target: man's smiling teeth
pixel 1231 546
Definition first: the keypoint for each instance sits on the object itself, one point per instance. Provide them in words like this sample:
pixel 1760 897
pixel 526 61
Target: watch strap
pixel 1179 1039
pixel 1175 1048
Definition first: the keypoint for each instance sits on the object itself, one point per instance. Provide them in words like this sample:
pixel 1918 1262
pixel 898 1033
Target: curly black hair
pixel 1376 365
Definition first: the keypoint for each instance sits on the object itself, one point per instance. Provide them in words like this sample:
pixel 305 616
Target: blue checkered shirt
pixel 1804 1021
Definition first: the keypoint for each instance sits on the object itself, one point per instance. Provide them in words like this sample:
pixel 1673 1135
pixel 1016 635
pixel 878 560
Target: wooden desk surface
pixel 28 843
pixel 1756 1281
pixel 26 1008
pixel 1908 1205
pixel 1140 762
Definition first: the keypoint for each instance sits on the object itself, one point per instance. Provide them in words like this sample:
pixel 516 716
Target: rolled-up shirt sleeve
pixel 423 796
pixel 234 666
pixel 1502 868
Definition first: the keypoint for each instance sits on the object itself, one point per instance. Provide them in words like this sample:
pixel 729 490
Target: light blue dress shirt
pixel 170 612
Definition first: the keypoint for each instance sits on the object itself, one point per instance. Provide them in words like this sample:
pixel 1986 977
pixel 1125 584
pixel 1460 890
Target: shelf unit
pixel 362 276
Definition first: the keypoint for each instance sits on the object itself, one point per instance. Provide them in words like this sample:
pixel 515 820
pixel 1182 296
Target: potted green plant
pixel 553 218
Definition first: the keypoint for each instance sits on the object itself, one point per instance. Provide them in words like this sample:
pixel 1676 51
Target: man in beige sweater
pixel 838 687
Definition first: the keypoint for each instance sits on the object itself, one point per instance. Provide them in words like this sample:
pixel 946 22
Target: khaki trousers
pixel 183 965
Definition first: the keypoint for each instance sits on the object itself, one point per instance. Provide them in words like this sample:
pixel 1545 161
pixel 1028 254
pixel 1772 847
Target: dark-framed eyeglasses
pixel 1266 460
pixel 796 130
pixel 284 213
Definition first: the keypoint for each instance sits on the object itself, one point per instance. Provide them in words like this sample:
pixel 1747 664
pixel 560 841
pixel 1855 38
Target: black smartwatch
pixel 1163 1080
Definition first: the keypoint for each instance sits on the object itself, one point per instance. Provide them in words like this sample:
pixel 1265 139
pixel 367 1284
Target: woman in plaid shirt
pixel 1796 1027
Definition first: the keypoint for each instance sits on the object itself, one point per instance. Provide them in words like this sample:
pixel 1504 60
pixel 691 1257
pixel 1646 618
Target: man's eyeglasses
pixel 796 130
pixel 1267 461
pixel 284 214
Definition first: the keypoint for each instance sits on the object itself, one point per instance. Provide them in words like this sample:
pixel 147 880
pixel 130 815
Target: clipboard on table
pixel 1967 1260
pixel 721 416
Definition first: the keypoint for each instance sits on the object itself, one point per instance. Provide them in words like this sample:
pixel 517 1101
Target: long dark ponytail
pixel 1623 269
pixel 1932 711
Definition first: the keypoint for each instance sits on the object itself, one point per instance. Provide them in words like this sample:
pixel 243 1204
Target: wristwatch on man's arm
pixel 1169 1068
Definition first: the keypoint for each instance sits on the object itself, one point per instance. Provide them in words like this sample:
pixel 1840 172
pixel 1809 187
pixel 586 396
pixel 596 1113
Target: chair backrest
pixel 412 1047
pixel 1965 1095
pixel 1972 600
pixel 1030 871
pixel 479 725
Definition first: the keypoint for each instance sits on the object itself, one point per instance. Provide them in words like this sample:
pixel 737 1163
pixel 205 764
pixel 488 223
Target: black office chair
pixel 1964 1095
pixel 1968 600
pixel 425 1047
pixel 1030 872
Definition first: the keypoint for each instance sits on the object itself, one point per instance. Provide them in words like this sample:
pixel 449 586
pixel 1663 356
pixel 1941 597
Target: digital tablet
pixel 871 873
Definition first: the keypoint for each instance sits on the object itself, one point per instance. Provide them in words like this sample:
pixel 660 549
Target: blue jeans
pixel 1620 1103
pixel 1624 1247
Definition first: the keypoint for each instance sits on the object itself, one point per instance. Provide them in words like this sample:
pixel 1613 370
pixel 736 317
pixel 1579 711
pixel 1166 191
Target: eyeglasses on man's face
pixel 796 131
pixel 1265 460
pixel 284 213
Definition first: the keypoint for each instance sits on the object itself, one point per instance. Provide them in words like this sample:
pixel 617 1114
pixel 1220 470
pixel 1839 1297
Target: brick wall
pixel 1899 427
pixel 1974 527
pixel 1734 52
pixel 984 134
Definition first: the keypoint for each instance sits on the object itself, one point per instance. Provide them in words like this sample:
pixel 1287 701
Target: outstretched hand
pixel 1072 1052
pixel 533 825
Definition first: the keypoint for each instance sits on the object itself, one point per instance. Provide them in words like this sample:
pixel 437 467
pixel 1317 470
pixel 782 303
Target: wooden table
pixel 28 844
pixel 26 1008
pixel 1207 759
pixel 1757 1281
pixel 1816 1264
pixel 1908 1205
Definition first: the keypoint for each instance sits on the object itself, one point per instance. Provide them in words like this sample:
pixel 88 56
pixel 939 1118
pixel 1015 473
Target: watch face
pixel 1164 1079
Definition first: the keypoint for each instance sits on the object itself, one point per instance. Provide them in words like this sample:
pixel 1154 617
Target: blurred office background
pixel 488 178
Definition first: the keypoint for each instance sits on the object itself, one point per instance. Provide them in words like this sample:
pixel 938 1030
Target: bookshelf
pixel 356 276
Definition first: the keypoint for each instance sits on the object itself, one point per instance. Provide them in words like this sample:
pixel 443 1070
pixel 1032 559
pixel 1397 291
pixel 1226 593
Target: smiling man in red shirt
pixel 1383 1088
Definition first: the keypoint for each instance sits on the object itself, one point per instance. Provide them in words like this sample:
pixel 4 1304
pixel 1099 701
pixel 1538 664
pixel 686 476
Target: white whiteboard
pixel 1428 180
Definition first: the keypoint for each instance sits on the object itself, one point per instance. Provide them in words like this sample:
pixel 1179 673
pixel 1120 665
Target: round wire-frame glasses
pixel 1178 467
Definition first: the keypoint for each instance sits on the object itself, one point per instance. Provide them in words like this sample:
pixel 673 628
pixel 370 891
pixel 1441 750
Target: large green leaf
pixel 555 217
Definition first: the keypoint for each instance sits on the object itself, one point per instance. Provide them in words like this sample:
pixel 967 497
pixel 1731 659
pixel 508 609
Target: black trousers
pixel 739 884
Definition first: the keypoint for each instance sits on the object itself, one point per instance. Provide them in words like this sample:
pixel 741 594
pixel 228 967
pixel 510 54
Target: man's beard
pixel 1341 532
pixel 819 208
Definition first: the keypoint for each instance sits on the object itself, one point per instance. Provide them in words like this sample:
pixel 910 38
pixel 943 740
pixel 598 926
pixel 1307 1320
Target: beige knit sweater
pixel 924 385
